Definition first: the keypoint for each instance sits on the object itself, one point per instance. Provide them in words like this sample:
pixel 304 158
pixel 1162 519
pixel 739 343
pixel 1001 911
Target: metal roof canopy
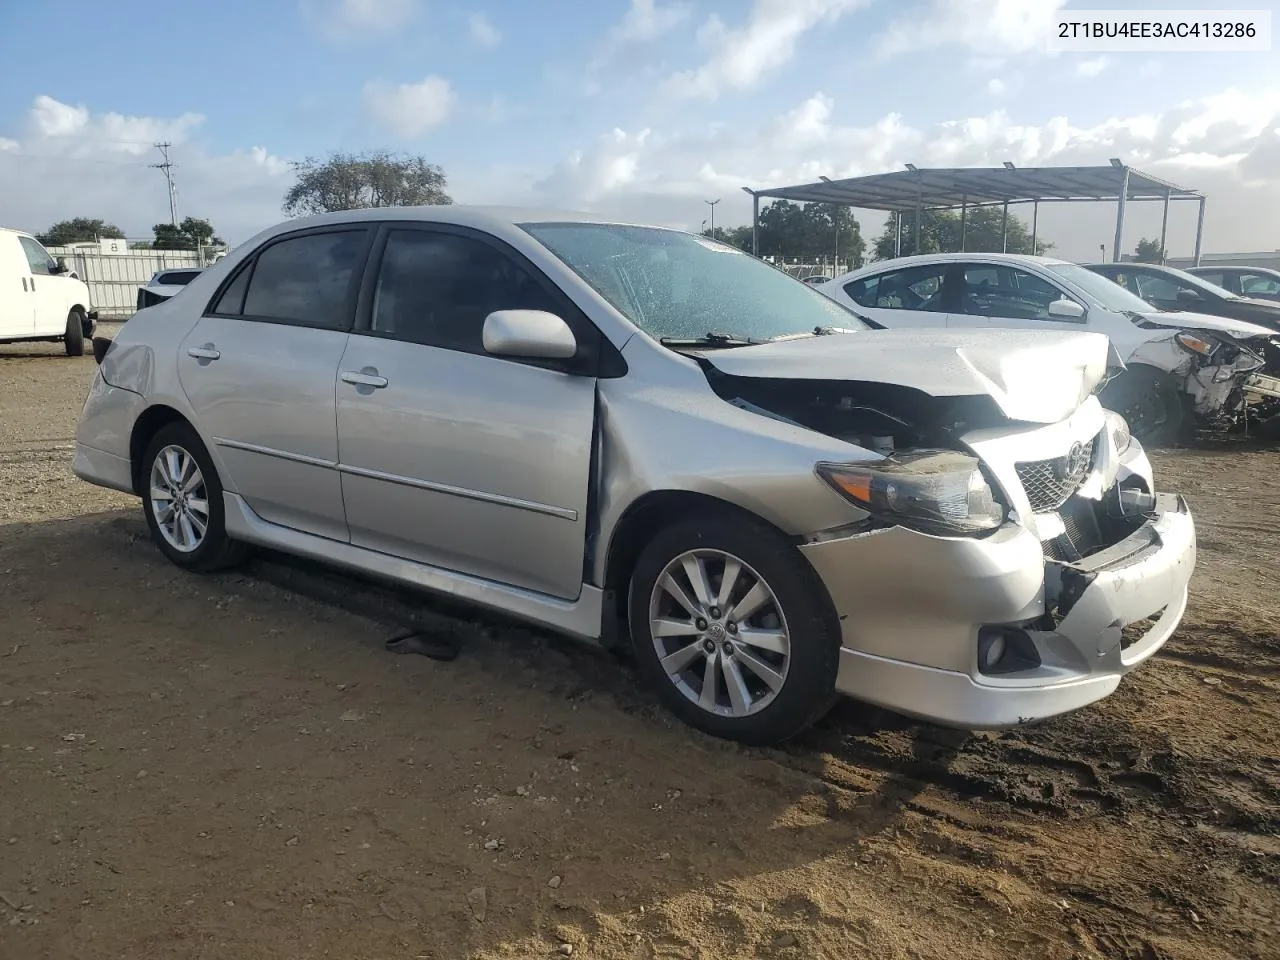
pixel 916 190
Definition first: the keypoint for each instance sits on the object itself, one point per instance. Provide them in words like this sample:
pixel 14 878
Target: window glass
pixel 1152 287
pixel 673 284
pixel 863 292
pixel 1255 283
pixel 38 257
pixel 915 288
pixel 177 277
pixel 437 289
pixel 988 290
pixel 307 279
pixel 231 303
pixel 1216 277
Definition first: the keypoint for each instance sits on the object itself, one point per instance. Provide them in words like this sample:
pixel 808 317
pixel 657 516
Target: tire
pixel 796 616
pixel 74 339
pixel 171 455
pixel 1148 401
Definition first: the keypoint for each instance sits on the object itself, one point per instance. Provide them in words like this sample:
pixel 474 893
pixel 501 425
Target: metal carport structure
pixel 915 190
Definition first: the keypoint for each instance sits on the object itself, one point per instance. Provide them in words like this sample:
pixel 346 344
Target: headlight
pixel 933 491
pixel 1119 429
pixel 1196 344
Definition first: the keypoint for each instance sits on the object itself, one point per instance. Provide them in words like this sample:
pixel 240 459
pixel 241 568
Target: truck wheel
pixel 74 340
pixel 734 629
pixel 1148 402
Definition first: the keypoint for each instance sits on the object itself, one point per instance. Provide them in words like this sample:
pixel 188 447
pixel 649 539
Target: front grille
pixel 1050 483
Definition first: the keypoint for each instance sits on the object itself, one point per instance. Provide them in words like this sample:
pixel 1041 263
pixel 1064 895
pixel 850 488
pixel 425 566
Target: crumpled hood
pixel 1184 320
pixel 1032 375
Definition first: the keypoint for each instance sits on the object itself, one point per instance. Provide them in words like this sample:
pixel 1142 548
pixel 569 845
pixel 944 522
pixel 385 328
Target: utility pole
pixel 712 205
pixel 166 168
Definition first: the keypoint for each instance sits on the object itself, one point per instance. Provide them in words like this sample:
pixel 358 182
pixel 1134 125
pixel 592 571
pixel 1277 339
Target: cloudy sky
pixel 636 108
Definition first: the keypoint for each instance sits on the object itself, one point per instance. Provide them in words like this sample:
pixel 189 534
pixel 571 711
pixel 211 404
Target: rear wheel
pixel 74 338
pixel 1150 404
pixel 182 500
pixel 734 629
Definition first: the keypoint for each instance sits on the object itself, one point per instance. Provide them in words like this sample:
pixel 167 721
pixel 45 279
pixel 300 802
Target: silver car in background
pixel 585 424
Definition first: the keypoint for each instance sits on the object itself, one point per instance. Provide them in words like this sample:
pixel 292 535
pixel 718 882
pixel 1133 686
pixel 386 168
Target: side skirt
pixel 580 618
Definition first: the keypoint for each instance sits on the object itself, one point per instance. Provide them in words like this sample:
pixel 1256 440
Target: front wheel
pixel 1150 404
pixel 182 499
pixel 73 340
pixel 734 629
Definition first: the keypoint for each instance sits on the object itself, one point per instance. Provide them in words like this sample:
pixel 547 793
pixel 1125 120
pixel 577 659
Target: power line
pixel 166 168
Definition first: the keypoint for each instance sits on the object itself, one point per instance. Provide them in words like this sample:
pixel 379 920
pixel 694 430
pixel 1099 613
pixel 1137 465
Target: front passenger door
pixel 453 457
pixel 995 295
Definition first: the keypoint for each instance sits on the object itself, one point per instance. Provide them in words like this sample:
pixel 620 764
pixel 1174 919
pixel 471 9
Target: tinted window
pixel 999 291
pixel 1252 284
pixel 1152 287
pixel 915 288
pixel 1215 277
pixel 37 257
pixel 177 277
pixel 231 303
pixel 437 289
pixel 307 279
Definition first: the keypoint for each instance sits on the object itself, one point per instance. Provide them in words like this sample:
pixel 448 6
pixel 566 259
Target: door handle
pixel 368 377
pixel 33 284
pixel 24 284
pixel 207 352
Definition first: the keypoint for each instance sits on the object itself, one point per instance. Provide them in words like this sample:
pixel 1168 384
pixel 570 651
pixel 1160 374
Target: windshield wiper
pixel 711 339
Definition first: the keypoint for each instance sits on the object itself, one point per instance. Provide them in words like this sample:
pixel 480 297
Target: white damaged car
pixel 1182 369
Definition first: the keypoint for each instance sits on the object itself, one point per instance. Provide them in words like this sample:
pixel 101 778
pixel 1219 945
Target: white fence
pixel 114 278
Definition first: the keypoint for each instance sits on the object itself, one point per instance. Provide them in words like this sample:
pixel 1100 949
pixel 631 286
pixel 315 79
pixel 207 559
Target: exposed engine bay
pixel 876 416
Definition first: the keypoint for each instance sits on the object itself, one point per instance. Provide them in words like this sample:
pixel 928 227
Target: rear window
pixel 177 277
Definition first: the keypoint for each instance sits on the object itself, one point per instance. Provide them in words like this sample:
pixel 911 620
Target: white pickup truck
pixel 39 298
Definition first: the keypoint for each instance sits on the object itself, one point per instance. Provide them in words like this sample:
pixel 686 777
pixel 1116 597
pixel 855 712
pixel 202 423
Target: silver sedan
pixel 585 424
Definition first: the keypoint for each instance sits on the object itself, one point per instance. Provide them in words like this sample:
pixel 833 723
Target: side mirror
pixel 1065 309
pixel 528 333
pixel 1189 296
pixel 100 347
pixel 61 266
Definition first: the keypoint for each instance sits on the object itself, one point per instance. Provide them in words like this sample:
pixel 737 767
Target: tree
pixel 348 181
pixel 1149 251
pixel 811 231
pixel 940 233
pixel 80 230
pixel 190 234
pixel 739 237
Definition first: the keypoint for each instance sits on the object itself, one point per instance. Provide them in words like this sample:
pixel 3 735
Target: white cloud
pixel 988 27
pixel 1092 67
pixel 1227 144
pixel 342 19
pixel 996 86
pixel 98 165
pixel 645 21
pixel 483 32
pixel 410 109
pixel 743 56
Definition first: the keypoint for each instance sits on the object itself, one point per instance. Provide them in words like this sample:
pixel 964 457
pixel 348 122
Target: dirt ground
pixel 234 766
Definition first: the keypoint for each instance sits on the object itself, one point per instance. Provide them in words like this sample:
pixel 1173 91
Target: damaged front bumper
pixel 919 613
pixel 1259 387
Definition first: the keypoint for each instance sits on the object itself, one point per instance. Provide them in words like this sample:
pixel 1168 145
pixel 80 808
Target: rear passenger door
pixel 908 297
pixel 259 369
pixel 451 456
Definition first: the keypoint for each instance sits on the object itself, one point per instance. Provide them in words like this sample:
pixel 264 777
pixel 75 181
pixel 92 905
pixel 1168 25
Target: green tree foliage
pixel 795 231
pixel 80 230
pixel 1149 251
pixel 347 181
pixel 940 233
pixel 188 235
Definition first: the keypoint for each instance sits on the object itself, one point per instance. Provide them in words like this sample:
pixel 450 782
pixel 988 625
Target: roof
pixel 904 190
pixel 469 215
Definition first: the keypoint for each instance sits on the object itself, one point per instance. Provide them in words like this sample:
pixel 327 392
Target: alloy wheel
pixel 719 632
pixel 178 498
